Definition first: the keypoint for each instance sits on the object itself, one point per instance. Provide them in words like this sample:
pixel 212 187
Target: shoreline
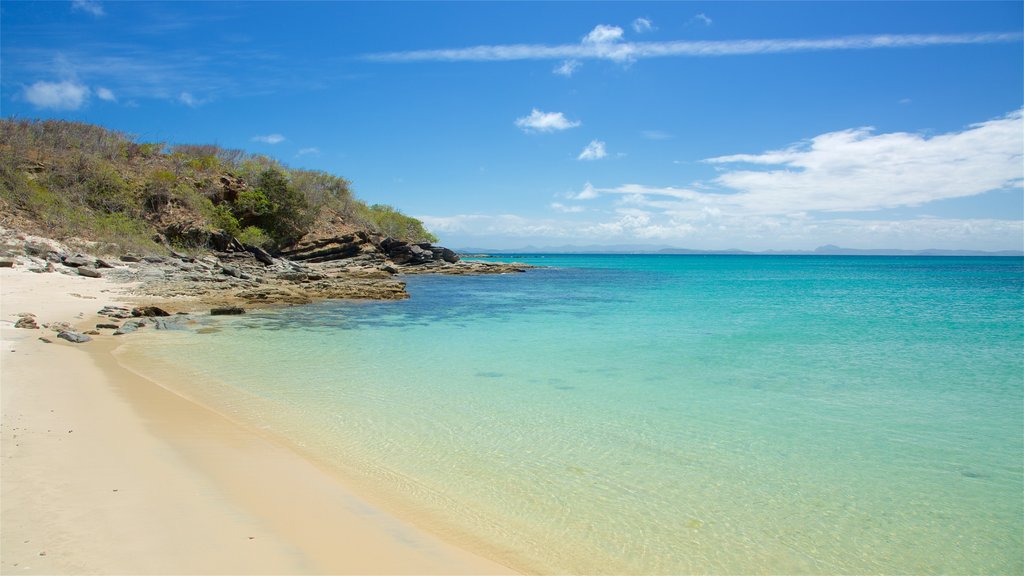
pixel 130 477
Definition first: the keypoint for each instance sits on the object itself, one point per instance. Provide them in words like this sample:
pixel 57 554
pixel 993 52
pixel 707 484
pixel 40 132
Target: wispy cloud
pixel 188 99
pixel 88 6
pixel 594 151
pixel 702 18
pixel 558 206
pixel 604 42
pixel 66 95
pixel 538 121
pixel 642 25
pixel 105 94
pixel 567 68
pixel 311 151
pixel 269 139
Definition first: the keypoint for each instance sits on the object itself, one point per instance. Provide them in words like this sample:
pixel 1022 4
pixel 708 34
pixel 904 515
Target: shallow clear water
pixel 663 414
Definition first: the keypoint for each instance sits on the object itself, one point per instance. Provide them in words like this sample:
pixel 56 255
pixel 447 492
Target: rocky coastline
pixel 357 265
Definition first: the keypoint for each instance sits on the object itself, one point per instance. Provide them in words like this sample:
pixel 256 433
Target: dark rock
pixel 449 256
pixel 46 340
pixel 89 272
pixel 103 264
pixel 75 337
pixel 92 332
pixel 77 260
pixel 155 259
pixel 260 254
pixel 27 322
pixel 227 311
pixel 103 326
pixel 6 263
pixel 130 258
pixel 149 311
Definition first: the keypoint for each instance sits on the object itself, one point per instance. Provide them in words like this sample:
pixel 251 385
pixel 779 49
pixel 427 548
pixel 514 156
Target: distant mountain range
pixel 827 250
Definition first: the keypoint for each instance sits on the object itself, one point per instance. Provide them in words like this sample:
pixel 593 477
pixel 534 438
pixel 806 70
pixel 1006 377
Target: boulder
pixel 449 256
pixel 100 263
pixel 227 311
pixel 89 272
pixel 77 260
pixel 149 311
pixel 76 337
pixel 6 263
pixel 130 258
pixel 105 326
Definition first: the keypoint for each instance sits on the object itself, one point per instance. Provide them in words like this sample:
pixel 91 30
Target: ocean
pixel 659 414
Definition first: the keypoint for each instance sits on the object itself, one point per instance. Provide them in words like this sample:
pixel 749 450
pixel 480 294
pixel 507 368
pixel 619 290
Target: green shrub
pixel 254 236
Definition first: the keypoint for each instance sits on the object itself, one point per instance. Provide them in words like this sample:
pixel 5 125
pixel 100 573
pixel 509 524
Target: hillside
pixel 67 180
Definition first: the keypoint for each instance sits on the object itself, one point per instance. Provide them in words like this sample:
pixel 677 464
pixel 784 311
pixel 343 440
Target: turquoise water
pixel 662 414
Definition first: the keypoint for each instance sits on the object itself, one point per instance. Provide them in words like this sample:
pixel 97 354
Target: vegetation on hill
pixel 74 179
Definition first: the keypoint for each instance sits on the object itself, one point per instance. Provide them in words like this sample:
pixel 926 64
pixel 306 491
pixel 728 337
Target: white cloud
pixel 594 151
pixel 188 99
pixel 604 43
pixel 641 25
pixel 858 170
pixel 89 6
pixel 269 139
pixel 307 151
pixel 539 121
pixel 567 209
pixel 105 94
pixel 567 68
pixel 603 34
pixel 905 100
pixel 588 193
pixel 789 198
pixel 702 18
pixel 66 95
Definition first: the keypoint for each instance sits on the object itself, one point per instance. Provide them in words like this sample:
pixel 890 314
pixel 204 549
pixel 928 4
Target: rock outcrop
pixel 354 265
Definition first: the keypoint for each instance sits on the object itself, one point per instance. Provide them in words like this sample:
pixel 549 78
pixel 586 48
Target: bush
pixel 254 236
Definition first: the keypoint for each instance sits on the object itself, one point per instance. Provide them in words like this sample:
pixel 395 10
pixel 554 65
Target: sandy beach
pixel 106 472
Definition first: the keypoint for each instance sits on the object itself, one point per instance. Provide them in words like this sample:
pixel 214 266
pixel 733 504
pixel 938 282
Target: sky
pixel 717 125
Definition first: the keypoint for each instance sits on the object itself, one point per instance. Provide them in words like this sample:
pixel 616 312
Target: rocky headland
pixel 358 265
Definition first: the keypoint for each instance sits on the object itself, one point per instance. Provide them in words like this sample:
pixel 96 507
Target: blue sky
pixel 701 125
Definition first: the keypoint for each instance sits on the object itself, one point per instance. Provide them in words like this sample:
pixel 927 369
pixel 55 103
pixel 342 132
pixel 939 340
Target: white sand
pixel 104 472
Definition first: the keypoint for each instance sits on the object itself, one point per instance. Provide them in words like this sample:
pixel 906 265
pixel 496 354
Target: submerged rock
pixel 227 311
pixel 129 327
